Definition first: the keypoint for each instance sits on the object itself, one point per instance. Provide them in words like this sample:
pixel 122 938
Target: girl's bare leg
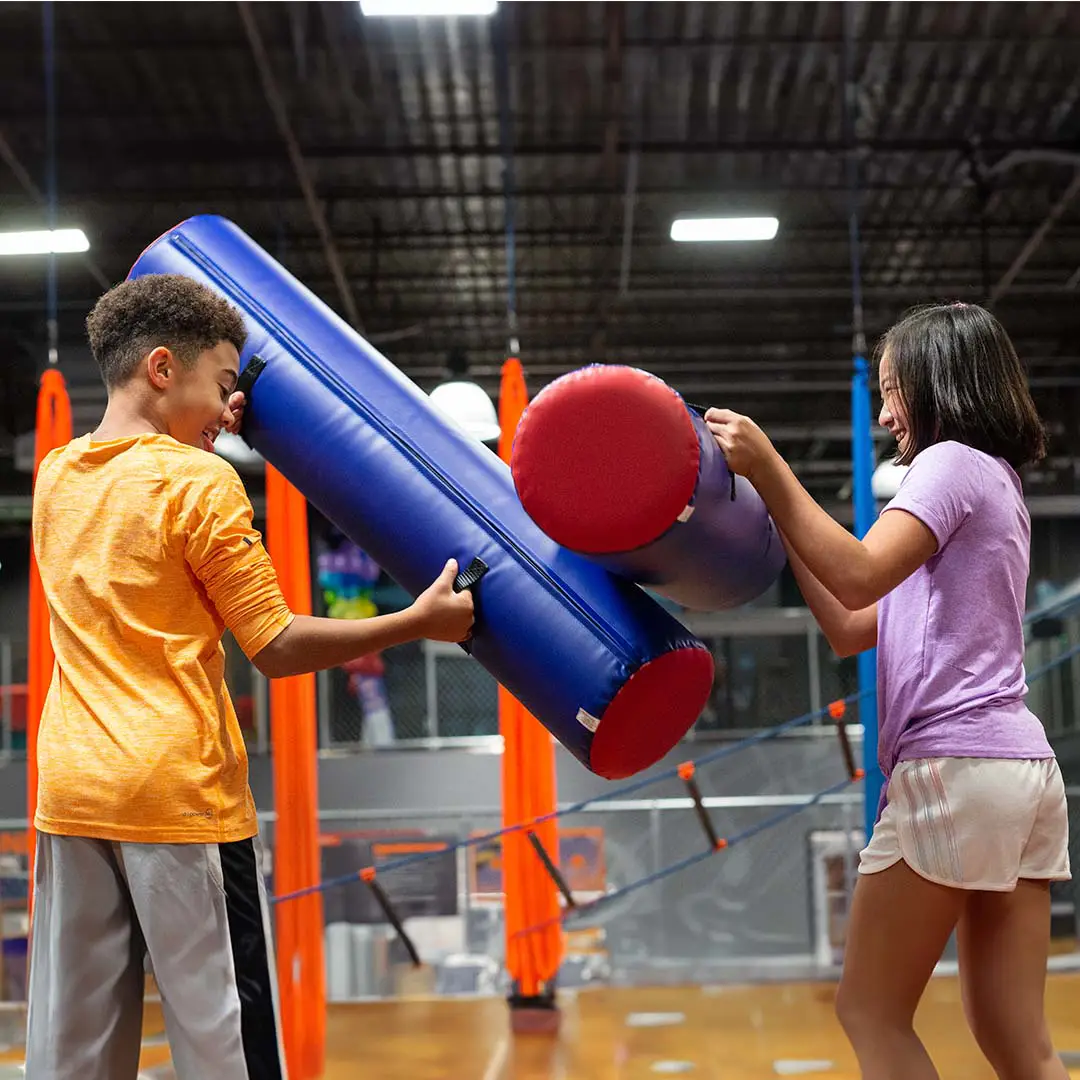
pixel 899 926
pixel 1004 939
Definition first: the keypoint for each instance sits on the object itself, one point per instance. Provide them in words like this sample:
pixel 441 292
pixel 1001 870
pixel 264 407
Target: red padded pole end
pixel 606 459
pixel 652 711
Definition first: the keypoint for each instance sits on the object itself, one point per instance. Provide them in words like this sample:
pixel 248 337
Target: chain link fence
pixel 425 691
pixel 429 691
pixel 771 665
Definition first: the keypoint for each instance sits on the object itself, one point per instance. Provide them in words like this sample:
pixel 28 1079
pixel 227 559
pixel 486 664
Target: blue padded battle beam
pixel 612 675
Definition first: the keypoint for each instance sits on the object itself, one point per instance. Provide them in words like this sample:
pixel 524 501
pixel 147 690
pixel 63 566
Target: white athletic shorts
pixel 974 823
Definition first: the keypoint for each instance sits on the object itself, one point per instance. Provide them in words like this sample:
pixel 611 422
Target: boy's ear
pixel 160 364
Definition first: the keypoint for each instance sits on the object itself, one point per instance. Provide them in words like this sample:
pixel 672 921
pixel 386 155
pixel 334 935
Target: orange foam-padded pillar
pixel 299 923
pixel 528 786
pixel 53 429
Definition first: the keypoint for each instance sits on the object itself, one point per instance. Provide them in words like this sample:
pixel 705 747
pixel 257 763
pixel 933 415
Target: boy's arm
pixel 848 632
pixel 226 555
pixel 309 643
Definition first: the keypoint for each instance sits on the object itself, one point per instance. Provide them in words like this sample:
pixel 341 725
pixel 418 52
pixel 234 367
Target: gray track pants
pixel 200 911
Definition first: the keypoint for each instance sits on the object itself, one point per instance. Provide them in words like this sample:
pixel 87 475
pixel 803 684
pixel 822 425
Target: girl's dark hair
pixel 137 316
pixel 960 379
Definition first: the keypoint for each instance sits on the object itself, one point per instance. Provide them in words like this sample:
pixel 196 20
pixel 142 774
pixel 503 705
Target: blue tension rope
pixel 682 771
pixel 1039 672
pixel 657 875
pixel 624 789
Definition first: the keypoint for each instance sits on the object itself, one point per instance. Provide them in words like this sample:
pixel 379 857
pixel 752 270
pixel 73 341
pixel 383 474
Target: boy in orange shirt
pixel 147 834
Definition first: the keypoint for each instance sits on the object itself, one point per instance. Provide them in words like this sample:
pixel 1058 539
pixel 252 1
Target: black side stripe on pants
pixel 251 959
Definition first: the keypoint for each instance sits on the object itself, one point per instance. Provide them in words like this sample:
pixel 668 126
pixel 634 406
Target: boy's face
pixel 195 400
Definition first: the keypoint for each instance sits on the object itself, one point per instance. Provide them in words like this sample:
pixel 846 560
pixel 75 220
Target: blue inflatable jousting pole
pixel 614 677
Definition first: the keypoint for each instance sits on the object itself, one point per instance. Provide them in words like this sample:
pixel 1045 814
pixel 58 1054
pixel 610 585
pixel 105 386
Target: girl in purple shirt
pixel 973 824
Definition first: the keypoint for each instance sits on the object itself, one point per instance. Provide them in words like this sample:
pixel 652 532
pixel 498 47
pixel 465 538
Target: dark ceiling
pixel 368 156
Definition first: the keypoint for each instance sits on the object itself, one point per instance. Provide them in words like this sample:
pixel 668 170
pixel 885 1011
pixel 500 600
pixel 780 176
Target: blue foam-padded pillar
pixel 862 463
pixel 612 675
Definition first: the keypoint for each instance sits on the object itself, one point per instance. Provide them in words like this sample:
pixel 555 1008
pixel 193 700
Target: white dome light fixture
pixel 469 406
pixel 885 482
pixel 237 452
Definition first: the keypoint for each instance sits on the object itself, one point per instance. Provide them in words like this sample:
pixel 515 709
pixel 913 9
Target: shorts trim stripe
pixel 248 937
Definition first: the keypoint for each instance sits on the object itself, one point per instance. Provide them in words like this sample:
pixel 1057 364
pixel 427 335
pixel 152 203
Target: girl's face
pixel 893 416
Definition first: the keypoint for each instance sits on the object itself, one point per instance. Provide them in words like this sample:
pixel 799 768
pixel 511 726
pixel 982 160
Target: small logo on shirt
pixel 198 813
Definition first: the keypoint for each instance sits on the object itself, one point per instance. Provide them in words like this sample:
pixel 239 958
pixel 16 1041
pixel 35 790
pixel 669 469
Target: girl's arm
pixel 847 632
pixel 857 572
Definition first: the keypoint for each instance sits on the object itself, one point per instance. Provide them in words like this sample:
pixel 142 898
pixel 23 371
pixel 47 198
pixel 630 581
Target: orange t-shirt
pixel 147 553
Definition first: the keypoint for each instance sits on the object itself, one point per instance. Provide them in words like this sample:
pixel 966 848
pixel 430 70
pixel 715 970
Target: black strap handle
pixel 472 573
pixel 468 579
pixel 252 370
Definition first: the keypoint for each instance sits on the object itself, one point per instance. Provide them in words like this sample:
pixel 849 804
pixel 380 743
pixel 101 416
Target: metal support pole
pixel 813 666
pixel 323 699
pixel 260 693
pixel 431 690
pixel 5 695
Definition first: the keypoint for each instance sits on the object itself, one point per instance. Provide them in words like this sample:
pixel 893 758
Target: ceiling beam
pixel 1037 237
pixel 204 151
pixel 590 239
pixel 885 295
pixel 208 41
pixel 356 189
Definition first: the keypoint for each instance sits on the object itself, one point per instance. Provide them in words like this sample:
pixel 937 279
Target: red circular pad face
pixel 605 459
pixel 655 708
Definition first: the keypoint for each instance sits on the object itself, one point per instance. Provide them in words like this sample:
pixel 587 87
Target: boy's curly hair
pixel 171 310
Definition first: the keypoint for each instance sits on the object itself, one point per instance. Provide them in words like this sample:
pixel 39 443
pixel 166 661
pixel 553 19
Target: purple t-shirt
pixel 950 668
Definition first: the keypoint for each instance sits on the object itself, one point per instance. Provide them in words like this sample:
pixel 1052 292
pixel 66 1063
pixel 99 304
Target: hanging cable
pixel 862 444
pixel 506 140
pixel 49 43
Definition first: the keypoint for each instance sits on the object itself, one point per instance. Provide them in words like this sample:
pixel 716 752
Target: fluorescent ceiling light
pixel 688 230
pixel 414 8
pixel 43 242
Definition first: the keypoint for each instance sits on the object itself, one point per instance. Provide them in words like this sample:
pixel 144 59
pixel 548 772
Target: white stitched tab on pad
pixel 587 720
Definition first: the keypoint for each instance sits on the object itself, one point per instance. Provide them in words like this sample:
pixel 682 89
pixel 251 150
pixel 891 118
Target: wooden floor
pixel 707 1033
pixel 733 1033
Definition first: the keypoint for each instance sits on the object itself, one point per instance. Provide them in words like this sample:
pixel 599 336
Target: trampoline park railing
pixel 653 898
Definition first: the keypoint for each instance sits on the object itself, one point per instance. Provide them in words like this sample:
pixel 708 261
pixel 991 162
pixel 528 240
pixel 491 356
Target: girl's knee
pixel 844 1007
pixel 864 1016
pixel 1016 1055
pixel 856 1014
pixel 1016 1046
